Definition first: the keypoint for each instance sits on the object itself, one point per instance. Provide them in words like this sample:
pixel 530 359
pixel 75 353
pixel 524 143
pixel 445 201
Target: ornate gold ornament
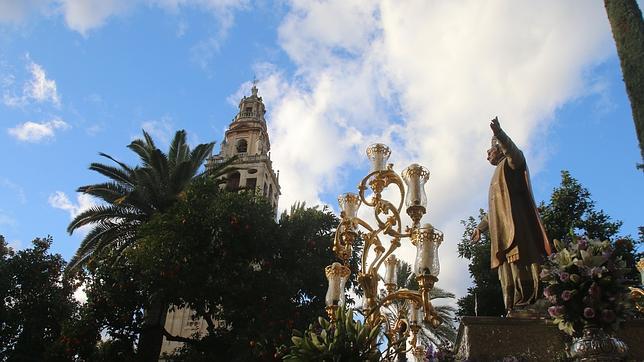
pixel 637 294
pixel 388 224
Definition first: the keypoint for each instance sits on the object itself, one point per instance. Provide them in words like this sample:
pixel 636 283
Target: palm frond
pixel 108 191
pixel 199 155
pixel 123 165
pixel 148 140
pixel 102 235
pixel 139 147
pixel 441 293
pixel 103 213
pixel 178 148
pixel 116 174
pixel 220 169
pixel 181 177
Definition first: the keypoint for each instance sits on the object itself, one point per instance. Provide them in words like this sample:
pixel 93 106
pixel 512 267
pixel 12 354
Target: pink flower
pixel 564 276
pixel 556 310
pixel 547 292
pixel 566 295
pixel 589 313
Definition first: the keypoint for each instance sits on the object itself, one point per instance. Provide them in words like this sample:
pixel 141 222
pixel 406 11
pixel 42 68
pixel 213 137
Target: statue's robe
pixel 518 238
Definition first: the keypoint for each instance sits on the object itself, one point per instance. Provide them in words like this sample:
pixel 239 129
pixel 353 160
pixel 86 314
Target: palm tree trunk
pixel 151 336
pixel 625 19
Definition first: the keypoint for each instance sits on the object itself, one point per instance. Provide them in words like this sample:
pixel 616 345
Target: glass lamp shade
pixel 379 154
pixel 415 177
pixel 415 313
pixel 349 205
pixel 337 275
pixel 427 241
pixel 391 270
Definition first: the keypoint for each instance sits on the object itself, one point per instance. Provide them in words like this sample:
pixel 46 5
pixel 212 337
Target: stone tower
pixel 247 138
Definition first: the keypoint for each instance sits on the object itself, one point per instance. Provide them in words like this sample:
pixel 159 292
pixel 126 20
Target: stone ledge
pixel 493 338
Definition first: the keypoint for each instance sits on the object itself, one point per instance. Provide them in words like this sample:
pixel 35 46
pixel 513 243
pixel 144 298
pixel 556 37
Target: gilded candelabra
pixel 637 294
pixel 388 224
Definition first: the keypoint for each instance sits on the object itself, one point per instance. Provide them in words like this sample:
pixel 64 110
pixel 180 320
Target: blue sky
pixel 82 77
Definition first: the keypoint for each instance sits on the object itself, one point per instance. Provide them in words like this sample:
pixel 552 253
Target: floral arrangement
pixel 585 285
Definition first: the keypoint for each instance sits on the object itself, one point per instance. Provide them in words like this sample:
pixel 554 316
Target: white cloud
pixel 59 200
pixel 85 15
pixel 39 88
pixel 36 132
pixel 161 131
pixel 424 77
pixel 94 129
pixel 12 11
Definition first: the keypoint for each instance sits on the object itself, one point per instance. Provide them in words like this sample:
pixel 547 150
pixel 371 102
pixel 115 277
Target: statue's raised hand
pixel 496 127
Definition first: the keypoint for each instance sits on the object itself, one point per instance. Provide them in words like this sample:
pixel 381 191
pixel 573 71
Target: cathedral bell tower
pixel 247 138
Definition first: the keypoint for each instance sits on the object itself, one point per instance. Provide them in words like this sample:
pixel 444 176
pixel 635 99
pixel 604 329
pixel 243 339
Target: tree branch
pixel 206 317
pixel 174 338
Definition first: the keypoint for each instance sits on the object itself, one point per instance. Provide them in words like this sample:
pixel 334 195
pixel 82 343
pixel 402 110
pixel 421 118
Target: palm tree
pixel 132 195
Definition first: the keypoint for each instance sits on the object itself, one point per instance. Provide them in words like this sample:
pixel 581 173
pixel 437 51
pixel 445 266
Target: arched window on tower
pixel 242 146
pixel 270 191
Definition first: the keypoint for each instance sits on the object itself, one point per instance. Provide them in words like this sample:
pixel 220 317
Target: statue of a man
pixel 518 238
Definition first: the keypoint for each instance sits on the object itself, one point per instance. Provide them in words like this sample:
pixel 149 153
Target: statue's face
pixel 494 155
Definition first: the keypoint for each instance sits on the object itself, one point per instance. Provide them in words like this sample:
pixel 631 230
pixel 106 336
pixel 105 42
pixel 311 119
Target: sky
pixel 79 77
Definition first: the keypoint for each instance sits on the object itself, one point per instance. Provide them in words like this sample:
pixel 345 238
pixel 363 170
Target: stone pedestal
pixel 493 339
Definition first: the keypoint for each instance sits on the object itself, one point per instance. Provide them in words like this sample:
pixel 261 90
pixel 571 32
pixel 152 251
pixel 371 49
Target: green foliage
pixel 133 194
pixel 485 297
pixel 571 208
pixel 215 252
pixel 344 340
pixel 222 255
pixel 36 302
